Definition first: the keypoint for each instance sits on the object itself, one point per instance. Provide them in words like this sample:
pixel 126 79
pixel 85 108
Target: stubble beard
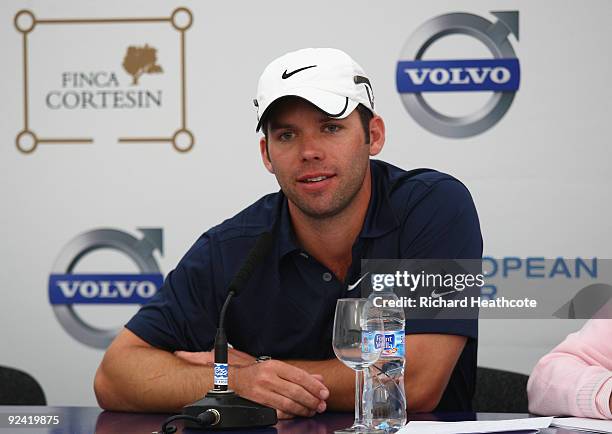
pixel 340 200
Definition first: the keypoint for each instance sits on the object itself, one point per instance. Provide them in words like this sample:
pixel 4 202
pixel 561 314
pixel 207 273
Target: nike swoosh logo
pixel 354 285
pixel 287 75
pixel 435 294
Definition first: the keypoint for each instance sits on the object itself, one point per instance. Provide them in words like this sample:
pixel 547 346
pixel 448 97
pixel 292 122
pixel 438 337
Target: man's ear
pixel 377 135
pixel 263 148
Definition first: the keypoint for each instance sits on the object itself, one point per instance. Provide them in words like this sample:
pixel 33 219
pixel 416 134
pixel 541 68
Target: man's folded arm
pixel 430 360
pixel 134 376
pixel 139 371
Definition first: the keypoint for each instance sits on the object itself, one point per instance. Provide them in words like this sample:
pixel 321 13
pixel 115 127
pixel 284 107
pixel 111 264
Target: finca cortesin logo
pixel 103 89
pixel 68 288
pixel 135 81
pixel 500 74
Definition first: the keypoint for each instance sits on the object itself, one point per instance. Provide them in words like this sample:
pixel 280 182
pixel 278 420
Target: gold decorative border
pixel 27 141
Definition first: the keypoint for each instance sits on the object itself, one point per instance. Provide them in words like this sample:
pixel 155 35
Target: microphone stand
pixel 230 409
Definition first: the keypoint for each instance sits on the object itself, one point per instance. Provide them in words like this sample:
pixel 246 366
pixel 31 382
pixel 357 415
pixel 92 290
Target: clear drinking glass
pixel 358 341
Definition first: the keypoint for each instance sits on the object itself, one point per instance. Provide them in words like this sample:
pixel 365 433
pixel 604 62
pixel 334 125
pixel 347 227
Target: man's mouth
pixel 317 179
pixel 311 179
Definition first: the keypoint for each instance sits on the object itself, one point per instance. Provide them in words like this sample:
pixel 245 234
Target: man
pixel 336 206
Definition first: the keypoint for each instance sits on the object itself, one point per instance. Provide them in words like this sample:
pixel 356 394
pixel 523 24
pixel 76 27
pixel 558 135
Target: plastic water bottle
pixel 384 396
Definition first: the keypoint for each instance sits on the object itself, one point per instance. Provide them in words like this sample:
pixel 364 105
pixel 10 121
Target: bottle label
pixel 394 344
pixel 220 374
pixel 371 342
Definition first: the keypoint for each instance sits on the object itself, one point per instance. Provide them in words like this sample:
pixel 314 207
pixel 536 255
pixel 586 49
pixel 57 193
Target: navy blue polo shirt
pixel 287 308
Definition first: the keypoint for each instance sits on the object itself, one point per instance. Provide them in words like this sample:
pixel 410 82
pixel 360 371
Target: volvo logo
pixel 501 74
pixel 67 288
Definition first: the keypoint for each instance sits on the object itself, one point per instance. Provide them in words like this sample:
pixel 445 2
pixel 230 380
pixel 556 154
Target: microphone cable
pixel 208 418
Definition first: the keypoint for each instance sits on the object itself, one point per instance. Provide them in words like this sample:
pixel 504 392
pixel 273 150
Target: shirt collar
pixel 380 218
pixel 287 241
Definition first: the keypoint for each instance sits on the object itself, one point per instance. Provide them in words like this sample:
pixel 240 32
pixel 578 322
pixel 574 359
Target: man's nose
pixel 311 148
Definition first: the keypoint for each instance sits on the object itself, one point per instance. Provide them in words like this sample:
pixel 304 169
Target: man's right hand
pixel 290 390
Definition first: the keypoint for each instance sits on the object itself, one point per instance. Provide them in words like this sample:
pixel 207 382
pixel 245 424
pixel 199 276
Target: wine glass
pixel 358 341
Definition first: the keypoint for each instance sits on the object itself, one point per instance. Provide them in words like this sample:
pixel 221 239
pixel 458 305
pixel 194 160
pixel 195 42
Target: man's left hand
pixel 234 357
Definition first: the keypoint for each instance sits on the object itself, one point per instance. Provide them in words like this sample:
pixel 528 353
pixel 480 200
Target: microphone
pixel 260 250
pixel 231 410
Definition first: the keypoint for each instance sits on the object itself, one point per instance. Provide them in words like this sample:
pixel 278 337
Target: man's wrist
pixel 233 381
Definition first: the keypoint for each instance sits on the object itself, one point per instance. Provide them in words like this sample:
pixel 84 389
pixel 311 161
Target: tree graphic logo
pixel 141 60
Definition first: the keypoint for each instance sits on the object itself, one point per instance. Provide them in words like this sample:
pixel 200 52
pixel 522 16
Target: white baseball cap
pixel 326 77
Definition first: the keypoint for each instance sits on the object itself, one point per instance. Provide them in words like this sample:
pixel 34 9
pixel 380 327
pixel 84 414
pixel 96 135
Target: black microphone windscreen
pixel 262 247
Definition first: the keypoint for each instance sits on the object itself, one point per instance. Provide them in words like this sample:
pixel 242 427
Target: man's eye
pixel 332 128
pixel 287 135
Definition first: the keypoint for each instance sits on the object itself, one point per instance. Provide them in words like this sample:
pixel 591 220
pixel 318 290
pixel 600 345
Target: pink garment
pixel 575 378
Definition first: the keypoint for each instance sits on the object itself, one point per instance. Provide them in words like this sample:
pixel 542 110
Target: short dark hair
pixel 365 115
